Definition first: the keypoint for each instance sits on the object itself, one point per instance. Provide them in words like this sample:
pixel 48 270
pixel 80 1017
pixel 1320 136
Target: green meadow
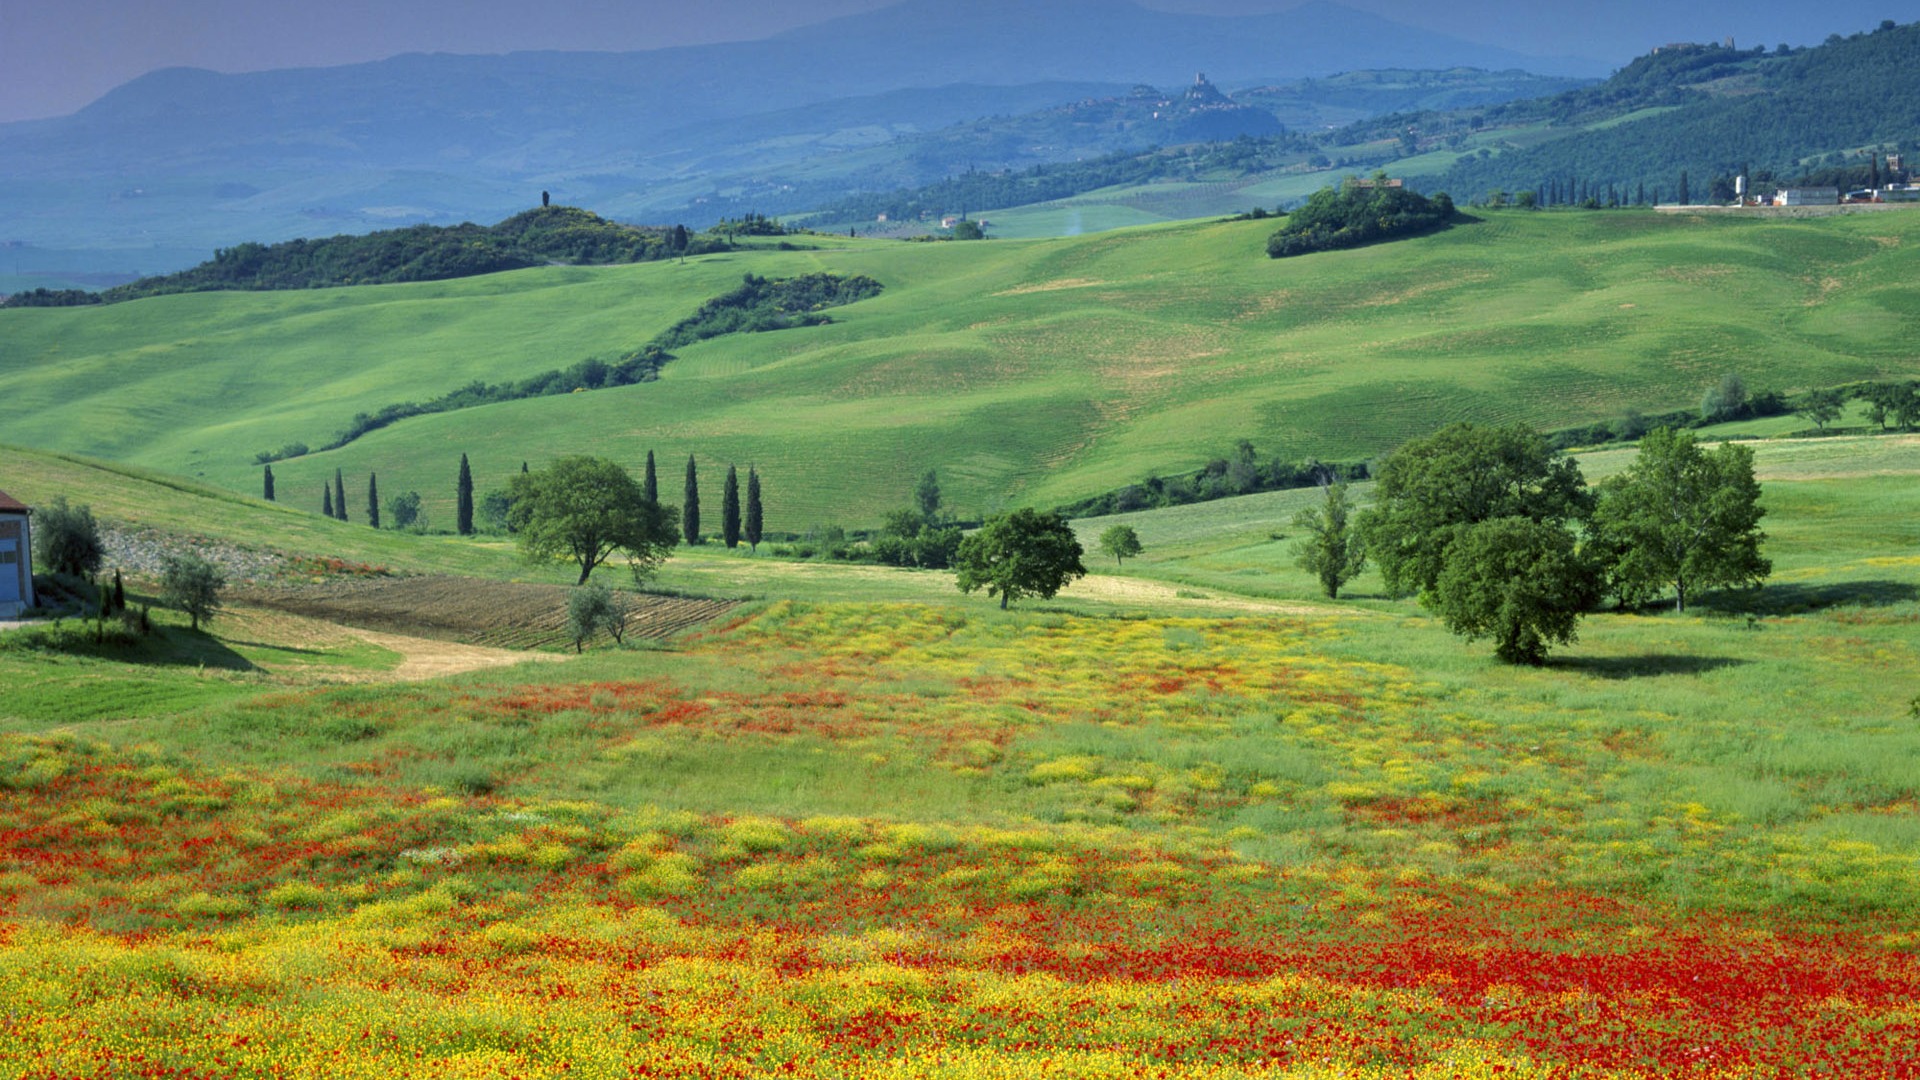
pixel 1779 715
pixel 1025 371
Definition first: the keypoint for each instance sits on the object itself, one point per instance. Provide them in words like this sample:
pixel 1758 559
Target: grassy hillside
pixel 1025 371
pixel 1299 841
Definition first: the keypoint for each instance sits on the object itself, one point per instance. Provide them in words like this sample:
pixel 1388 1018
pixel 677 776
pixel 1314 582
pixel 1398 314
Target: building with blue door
pixel 16 557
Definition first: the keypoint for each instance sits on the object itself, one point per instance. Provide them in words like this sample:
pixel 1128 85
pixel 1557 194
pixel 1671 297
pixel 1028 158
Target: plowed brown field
pixel 507 615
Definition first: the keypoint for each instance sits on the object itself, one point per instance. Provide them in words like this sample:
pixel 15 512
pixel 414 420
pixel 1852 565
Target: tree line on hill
pixel 757 306
pixel 539 237
pixel 1795 113
pixel 506 509
pixel 1240 473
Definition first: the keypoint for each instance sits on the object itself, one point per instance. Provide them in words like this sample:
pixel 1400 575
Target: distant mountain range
pixel 187 159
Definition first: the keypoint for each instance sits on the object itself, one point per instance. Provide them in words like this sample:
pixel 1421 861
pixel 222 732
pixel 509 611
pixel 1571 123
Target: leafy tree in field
pixel 730 509
pixel 690 509
pixel 587 510
pixel 462 500
pixel 266 484
pixel 1880 399
pixel 1332 550
pixel 339 496
pixel 753 532
pixel 1724 400
pixel 495 507
pixel 326 499
pixel 926 495
pixel 1024 553
pixel 373 500
pixel 651 485
pixel 68 538
pixel 193 585
pixel 1682 517
pixel 404 511
pixel 1517 581
pixel 1821 406
pixel 591 608
pixel 1432 488
pixel 1121 542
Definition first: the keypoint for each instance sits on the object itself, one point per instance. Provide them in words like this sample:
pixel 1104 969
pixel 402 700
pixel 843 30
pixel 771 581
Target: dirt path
pixel 1129 590
pixel 426 658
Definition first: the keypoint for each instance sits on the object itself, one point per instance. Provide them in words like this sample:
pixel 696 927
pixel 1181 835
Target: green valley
pixel 1025 371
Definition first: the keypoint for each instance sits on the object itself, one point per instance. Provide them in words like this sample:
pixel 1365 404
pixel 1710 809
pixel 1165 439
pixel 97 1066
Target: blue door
pixel 9 571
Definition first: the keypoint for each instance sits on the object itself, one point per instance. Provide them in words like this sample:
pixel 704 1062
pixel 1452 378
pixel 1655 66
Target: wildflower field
pixel 926 838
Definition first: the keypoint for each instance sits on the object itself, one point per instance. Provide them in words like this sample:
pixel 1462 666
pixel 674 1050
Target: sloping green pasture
pixel 1025 371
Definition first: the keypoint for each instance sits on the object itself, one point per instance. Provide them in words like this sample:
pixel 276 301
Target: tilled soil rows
pixel 502 614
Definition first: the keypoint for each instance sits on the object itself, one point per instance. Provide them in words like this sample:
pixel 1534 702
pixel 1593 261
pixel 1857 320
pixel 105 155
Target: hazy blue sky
pixel 57 56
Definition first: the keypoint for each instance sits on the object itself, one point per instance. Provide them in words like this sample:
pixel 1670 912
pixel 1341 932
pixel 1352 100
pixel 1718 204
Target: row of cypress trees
pixel 734 527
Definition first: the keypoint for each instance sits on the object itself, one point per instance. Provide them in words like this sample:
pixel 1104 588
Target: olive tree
pixel 193 585
pixel 68 538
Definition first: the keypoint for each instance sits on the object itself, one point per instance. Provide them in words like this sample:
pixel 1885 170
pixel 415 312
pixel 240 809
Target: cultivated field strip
pixel 508 615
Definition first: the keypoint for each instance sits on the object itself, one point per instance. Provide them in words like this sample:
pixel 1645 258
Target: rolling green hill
pixel 1024 371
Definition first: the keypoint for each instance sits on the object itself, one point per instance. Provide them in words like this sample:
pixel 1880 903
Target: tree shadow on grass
pixel 1638 667
pixel 166 646
pixel 1794 598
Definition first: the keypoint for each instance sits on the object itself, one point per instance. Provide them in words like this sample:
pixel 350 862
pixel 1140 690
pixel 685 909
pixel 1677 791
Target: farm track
pixel 473 611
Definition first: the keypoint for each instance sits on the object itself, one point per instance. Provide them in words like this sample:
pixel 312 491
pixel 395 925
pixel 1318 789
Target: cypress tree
pixel 730 509
pixel 753 509
pixel 652 483
pixel 119 592
pixel 463 499
pixel 1684 200
pixel 326 499
pixel 373 501
pixel 690 508
pixel 266 484
pixel 339 496
pixel 523 468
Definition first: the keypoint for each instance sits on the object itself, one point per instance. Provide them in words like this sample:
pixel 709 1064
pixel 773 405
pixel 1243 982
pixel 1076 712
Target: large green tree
pixel 1430 489
pixel 1682 517
pixel 1331 550
pixel 587 510
pixel 1024 553
pixel 1518 581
